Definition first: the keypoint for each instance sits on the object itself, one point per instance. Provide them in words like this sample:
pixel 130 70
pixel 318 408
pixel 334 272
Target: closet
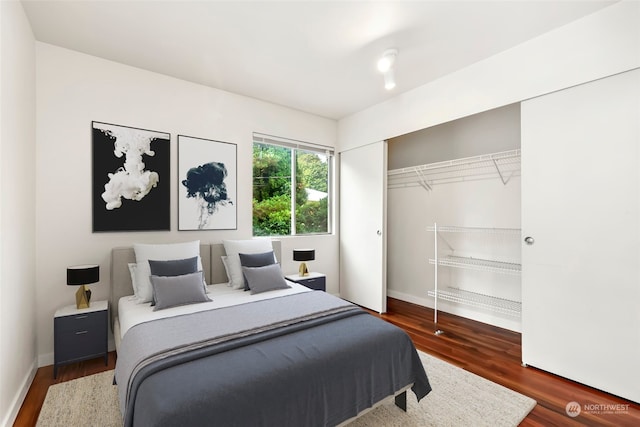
pixel 577 204
pixel 454 217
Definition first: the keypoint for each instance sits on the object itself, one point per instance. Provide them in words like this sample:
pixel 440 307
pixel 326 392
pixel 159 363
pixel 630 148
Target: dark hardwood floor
pixel 495 354
pixel 490 352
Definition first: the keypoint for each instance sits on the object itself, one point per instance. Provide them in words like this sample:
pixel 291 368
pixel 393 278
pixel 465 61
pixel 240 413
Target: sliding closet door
pixel 581 215
pixel 363 173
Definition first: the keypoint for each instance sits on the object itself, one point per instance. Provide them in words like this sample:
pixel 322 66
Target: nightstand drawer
pixel 83 344
pixel 317 283
pixel 80 322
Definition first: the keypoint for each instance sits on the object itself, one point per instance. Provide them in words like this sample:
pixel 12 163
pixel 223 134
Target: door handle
pixel 529 240
pixel 379 233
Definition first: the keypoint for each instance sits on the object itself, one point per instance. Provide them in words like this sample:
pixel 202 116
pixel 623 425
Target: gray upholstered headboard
pixel 121 285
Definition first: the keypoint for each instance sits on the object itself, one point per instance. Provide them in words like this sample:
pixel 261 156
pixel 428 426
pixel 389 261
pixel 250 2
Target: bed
pixel 286 357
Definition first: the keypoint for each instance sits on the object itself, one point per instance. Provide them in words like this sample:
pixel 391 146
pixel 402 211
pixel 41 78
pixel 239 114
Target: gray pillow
pixel 256 260
pixel 266 278
pixel 174 267
pixel 171 291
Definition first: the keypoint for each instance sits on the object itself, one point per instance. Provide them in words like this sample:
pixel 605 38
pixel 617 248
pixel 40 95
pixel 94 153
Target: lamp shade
pixel 304 254
pixel 83 274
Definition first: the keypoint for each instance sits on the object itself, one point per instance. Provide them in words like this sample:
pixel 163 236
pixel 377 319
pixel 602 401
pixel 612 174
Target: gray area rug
pixel 459 398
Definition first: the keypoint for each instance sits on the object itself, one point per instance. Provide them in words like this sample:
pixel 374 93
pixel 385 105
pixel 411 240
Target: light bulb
pixel 389 80
pixel 384 64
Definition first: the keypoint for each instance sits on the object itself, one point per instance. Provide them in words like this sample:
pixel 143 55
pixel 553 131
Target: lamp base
pixel 83 296
pixel 303 271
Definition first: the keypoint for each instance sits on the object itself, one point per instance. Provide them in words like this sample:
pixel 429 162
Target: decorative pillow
pixel 263 279
pixel 235 247
pixel 162 252
pixel 256 260
pixel 174 267
pixel 172 291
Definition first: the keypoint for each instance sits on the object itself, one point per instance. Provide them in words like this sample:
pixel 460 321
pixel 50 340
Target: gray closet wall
pixel 487 132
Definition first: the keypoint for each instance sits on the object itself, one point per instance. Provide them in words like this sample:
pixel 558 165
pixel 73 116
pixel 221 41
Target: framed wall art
pixel 131 179
pixel 207 184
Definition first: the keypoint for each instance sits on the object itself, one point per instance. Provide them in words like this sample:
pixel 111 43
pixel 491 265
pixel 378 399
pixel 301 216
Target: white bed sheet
pixel 130 313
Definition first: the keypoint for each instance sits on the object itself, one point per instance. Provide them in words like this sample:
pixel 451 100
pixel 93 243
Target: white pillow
pixel 235 247
pixel 162 252
pixel 132 271
pixel 226 269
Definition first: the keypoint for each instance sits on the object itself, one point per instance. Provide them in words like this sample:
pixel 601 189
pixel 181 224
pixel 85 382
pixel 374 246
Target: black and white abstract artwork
pixel 206 184
pixel 131 179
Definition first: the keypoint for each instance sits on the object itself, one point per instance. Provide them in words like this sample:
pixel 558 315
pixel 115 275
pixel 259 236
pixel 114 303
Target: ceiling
pixel 315 56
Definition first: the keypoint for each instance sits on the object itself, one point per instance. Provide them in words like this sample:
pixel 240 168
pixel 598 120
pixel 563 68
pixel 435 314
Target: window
pixel 291 187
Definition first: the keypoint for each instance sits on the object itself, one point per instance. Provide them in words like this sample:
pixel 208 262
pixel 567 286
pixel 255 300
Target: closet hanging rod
pixel 504 165
pixel 464 162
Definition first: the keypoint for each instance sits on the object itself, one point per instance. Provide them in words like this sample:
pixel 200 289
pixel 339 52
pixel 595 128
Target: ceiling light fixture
pixel 385 63
pixel 385 66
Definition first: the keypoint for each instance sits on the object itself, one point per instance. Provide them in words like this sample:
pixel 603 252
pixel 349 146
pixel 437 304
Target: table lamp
pixel 82 275
pixel 304 255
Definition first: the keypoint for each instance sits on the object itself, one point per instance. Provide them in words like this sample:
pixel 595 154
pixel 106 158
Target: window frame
pixel 295 146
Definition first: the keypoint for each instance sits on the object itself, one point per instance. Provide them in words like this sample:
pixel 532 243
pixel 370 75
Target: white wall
pixel 72 90
pixel 598 45
pixel 17 209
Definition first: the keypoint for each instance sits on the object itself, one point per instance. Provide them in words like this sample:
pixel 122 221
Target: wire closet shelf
pixel 474 299
pixel 504 165
pixel 465 297
pixel 478 264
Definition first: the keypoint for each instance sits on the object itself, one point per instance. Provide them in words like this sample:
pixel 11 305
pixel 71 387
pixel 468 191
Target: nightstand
pixel 317 281
pixel 80 334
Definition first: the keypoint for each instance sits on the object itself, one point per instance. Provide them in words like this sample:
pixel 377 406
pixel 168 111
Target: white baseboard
pixel 45 359
pixel 405 297
pixel 18 399
pixel 493 319
pixel 425 302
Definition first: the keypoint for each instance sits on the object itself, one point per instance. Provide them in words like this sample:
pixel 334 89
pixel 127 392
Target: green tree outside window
pixel 273 181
